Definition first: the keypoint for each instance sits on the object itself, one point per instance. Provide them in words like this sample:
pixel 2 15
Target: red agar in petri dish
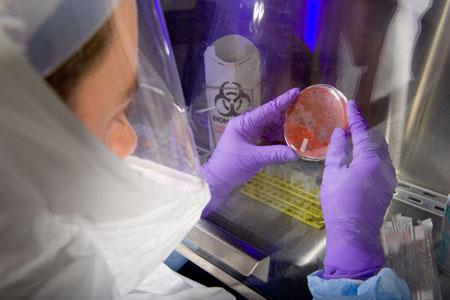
pixel 311 119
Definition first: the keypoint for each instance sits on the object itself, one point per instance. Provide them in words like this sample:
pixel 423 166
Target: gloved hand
pixel 355 194
pixel 237 156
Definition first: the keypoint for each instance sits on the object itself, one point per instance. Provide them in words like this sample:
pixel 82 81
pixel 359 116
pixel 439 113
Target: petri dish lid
pixel 311 119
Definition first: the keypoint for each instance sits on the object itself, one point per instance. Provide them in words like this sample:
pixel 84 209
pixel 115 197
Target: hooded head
pixel 83 84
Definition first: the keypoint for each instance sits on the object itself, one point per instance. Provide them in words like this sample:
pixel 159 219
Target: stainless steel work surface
pixel 294 248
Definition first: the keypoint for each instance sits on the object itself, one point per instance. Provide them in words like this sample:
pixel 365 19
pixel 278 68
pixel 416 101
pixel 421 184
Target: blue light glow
pixel 312 23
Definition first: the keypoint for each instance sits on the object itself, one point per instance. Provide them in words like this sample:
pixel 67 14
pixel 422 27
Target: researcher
pixel 99 174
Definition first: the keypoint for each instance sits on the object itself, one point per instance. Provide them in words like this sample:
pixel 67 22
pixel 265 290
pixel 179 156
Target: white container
pixel 232 75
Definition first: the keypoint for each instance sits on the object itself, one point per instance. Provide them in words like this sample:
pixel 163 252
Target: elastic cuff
pixel 383 285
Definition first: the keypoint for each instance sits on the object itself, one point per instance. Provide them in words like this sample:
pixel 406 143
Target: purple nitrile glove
pixel 354 195
pixel 237 156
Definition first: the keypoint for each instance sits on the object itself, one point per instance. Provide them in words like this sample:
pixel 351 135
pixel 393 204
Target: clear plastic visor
pixel 111 62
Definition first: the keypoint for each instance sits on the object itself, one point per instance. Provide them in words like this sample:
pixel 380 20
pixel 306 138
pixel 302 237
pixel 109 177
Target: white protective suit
pixel 76 222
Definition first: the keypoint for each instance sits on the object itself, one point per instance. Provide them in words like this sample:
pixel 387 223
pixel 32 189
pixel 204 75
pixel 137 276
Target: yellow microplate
pixel 285 197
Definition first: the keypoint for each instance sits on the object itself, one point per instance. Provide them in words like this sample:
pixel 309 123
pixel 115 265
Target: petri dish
pixel 311 119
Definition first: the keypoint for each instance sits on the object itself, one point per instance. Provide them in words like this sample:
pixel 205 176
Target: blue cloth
pixel 175 261
pixel 385 285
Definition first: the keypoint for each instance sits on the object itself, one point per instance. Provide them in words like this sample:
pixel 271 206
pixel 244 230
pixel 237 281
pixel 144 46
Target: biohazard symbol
pixel 232 100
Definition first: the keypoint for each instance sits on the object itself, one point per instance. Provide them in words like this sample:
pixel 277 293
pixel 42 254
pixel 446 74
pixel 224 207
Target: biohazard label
pixel 230 100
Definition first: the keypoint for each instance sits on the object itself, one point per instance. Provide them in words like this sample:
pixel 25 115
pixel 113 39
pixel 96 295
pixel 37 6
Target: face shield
pixel 158 113
pixel 76 74
pixel 135 63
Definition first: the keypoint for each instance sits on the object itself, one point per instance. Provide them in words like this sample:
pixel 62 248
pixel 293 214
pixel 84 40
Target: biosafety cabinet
pixel 393 57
